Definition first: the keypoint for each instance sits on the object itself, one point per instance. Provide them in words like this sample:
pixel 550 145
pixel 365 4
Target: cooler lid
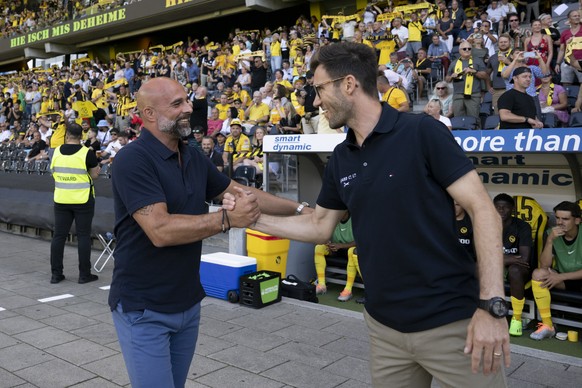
pixel 229 259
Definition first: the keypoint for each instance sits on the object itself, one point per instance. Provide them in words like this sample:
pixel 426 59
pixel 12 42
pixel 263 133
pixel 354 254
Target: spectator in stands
pixel 5 133
pixel 458 17
pixel 466 31
pixel 479 51
pixel 517 257
pixel 564 65
pixel 541 43
pixel 400 34
pixel 537 72
pixel 439 53
pixel 235 144
pixel 214 123
pixel 553 99
pixel 392 95
pixel 517 33
pixel 489 38
pixel 209 150
pixel 220 142
pixel 516 108
pixel 415 31
pixel 445 27
pixel 465 73
pixel 560 265
pixel 92 140
pixel 290 122
pixel 257 114
pixel 497 15
pixel 118 140
pixel 341 244
pixel 193 71
pixel 434 108
pixel 442 91
pixel 74 199
pixel 495 67
pixel 554 34
pixel 258 71
pixel 578 104
pixel 408 73
pixel 196 140
pixel 276 55
pixel 200 109
pixel 423 71
pixel 309 121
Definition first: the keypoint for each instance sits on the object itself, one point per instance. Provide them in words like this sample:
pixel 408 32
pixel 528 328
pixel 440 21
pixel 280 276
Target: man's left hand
pixel 487 342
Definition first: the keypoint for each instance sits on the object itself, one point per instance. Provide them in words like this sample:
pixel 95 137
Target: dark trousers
pixel 64 216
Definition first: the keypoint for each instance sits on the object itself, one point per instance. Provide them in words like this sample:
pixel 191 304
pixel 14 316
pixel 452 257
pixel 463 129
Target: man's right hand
pixel 246 210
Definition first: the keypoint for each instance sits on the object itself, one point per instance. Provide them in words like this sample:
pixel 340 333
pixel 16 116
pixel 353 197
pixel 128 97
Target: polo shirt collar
pixel 159 148
pixel 386 123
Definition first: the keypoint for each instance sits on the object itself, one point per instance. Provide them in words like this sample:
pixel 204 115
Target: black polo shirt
pixel 416 273
pixel 147 172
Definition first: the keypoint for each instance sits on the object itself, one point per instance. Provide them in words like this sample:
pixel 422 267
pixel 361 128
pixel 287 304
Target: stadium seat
pixel 491 122
pixel 572 93
pixel 550 120
pixel 245 175
pixel 464 122
pixel 575 119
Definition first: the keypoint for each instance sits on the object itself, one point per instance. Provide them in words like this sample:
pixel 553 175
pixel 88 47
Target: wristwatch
pixel 300 207
pixel 496 306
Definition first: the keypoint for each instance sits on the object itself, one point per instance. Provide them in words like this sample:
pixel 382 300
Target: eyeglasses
pixel 441 88
pixel 318 86
pixel 466 49
pixel 514 20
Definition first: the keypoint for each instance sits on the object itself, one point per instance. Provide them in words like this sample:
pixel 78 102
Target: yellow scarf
pixel 468 77
pixel 419 63
pixel 501 64
pixel 550 96
pixel 548 32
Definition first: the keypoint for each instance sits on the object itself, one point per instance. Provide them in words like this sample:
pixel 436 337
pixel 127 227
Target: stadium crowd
pixel 21 17
pixel 261 79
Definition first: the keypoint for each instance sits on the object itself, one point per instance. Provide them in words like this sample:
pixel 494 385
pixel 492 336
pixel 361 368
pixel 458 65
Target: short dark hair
pixel 342 59
pixel 74 130
pixel 504 198
pixel 567 206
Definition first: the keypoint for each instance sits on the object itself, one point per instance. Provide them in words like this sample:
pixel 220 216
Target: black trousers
pixel 82 214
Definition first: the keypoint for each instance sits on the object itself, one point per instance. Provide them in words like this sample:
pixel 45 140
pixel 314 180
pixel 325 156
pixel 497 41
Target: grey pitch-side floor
pixel 62 336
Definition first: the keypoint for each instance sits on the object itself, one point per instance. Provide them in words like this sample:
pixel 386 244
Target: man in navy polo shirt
pixel 398 175
pixel 160 187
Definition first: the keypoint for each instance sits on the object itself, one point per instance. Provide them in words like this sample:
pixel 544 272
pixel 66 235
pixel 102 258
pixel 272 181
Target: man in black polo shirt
pixel 160 186
pixel 398 174
pixel 517 109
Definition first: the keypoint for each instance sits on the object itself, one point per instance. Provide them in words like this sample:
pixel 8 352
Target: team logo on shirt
pixel 345 181
pixel 464 230
pixel 512 239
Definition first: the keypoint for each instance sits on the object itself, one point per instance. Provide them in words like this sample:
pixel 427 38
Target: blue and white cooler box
pixel 220 273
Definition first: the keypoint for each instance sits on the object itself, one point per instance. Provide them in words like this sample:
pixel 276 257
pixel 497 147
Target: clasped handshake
pixel 242 207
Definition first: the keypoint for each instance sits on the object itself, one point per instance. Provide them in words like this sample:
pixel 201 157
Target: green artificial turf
pixel 554 345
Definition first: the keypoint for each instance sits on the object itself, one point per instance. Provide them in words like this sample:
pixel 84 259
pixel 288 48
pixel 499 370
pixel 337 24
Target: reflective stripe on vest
pixel 73 184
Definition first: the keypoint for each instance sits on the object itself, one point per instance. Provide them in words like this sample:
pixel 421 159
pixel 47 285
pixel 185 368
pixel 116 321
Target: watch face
pixel 498 308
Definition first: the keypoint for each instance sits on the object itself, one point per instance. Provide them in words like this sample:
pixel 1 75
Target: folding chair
pixel 108 243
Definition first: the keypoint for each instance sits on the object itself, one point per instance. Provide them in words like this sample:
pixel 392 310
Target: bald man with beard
pixel 160 187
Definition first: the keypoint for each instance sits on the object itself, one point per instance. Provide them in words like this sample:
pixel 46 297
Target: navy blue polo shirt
pixel 147 172
pixel 417 274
